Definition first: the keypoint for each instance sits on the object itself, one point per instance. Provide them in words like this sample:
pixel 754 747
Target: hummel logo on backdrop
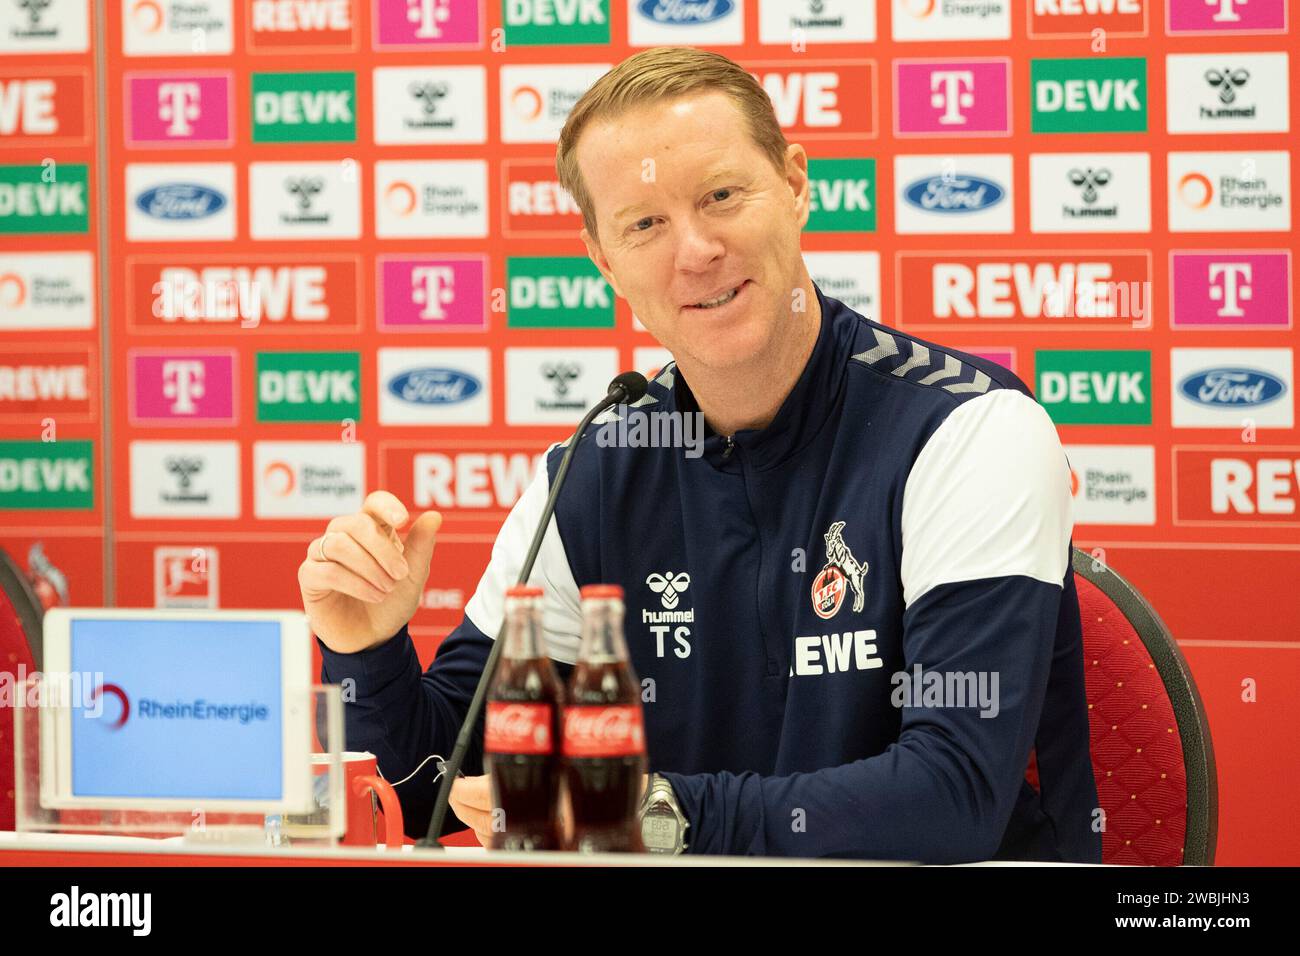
pixel 1226 83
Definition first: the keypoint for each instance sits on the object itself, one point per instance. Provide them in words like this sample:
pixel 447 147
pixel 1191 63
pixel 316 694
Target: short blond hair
pixel 654 75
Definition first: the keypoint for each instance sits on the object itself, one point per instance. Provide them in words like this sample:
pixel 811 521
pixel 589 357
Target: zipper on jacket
pixel 731 444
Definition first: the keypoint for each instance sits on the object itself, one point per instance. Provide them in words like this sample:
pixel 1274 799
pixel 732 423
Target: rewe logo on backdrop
pixel 44 110
pixel 301 26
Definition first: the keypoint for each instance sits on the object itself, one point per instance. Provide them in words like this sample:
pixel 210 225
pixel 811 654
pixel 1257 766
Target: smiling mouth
pixel 720 301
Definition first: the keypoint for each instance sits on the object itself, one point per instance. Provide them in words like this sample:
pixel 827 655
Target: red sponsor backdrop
pixel 1218 556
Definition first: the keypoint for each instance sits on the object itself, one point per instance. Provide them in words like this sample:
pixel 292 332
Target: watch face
pixel 659 832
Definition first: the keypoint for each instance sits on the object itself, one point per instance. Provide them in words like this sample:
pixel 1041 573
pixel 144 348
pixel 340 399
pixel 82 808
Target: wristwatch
pixel 663 825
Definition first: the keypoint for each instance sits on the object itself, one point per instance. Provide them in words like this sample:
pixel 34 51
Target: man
pixel 853 614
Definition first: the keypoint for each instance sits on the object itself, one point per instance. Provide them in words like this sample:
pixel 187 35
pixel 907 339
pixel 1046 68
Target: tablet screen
pixel 184 709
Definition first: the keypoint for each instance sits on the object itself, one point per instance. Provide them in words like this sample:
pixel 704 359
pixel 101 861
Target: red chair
pixel 1152 756
pixel 21 613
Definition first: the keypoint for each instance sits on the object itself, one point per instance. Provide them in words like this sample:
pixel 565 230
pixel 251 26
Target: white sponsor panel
pixel 1230 92
pixel 951 19
pixel 47 290
pixel 305 200
pixel 1232 388
pixel 691 22
pixel 958 193
pixel 816 21
pixel 1113 484
pixel 435 387
pixel 308 479
pixel 171 27
pixel 420 104
pixel 556 386
pixel 851 277
pixel 536 99
pixel 1230 192
pixel 180 201
pixel 184 479
pixel 1090 192
pixel 46 26
pixel 431 199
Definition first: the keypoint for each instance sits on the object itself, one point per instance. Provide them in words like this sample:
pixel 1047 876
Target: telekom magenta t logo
pixel 179 106
pixel 432 287
pixel 955 98
pixel 1235 288
pixel 952 92
pixel 1229 282
pixel 183 384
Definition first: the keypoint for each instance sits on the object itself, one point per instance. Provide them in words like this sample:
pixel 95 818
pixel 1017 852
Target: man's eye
pixel 639 221
pixel 724 189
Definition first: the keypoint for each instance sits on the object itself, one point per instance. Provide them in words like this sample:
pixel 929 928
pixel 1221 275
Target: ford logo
pixel 1232 387
pixel 180 201
pixel 434 386
pixel 685 11
pixel 961 193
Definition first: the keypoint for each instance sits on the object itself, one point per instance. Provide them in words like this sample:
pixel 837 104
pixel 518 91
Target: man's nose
pixel 699 244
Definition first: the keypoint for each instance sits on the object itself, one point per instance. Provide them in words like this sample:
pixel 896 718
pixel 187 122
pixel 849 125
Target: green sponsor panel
pixel 47 475
pixel 49 198
pixel 555 22
pixel 1089 95
pixel 1095 387
pixel 558 293
pixel 843 195
pixel 308 386
pixel 304 107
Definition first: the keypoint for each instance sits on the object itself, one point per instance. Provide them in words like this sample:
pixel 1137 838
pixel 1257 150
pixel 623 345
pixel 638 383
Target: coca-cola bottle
pixel 522 734
pixel 604 733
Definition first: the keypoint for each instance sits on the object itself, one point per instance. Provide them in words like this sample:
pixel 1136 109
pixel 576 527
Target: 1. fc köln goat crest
pixel 842 571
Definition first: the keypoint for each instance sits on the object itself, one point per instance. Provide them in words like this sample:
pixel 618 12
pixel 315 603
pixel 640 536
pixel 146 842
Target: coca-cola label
pixel 517 728
pixel 597 731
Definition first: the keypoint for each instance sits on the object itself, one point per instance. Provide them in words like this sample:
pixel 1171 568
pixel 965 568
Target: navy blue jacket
pixel 851 626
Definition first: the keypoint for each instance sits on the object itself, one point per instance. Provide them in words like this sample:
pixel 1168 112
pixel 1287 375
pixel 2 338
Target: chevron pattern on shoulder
pixel 915 362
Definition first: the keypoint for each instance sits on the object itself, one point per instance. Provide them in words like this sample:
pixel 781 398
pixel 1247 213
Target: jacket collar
pixel 811 404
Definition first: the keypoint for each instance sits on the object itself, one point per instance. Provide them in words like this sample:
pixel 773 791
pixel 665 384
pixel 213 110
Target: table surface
pixel 69 849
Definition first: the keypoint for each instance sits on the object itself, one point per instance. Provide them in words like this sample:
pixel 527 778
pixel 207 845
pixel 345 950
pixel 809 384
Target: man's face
pixel 688 209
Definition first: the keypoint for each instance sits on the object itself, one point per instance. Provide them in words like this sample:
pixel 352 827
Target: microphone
pixel 625 389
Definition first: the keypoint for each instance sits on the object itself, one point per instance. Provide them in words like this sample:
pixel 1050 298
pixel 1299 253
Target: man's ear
pixel 796 176
pixel 598 257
